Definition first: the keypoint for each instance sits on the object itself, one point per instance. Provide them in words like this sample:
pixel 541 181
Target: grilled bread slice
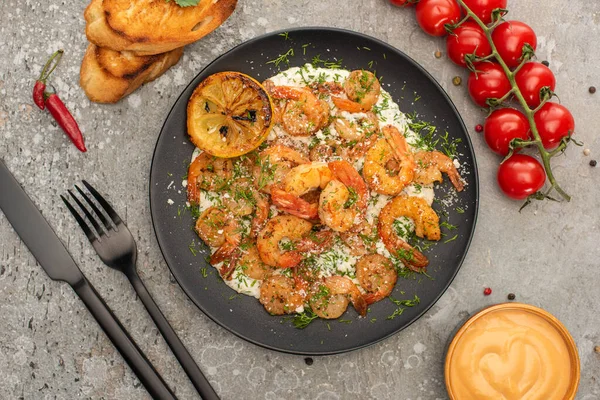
pixel 107 76
pixel 148 27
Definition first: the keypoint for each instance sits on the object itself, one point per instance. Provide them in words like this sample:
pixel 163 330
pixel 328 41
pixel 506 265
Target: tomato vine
pixel 527 110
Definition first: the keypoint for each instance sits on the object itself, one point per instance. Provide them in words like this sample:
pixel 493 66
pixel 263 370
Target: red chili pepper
pixel 40 84
pixel 64 118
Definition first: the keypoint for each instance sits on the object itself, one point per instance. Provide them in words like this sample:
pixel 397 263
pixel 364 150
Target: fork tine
pixel 109 210
pixel 100 215
pixel 89 215
pixel 86 229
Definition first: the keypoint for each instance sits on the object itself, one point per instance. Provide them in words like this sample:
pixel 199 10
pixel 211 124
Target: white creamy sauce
pixel 337 260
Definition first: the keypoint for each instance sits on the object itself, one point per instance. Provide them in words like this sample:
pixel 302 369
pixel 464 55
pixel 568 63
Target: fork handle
pixel 188 364
pixel 138 362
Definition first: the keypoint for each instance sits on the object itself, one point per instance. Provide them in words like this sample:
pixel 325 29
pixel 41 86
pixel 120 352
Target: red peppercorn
pixel 487 291
pixel 479 128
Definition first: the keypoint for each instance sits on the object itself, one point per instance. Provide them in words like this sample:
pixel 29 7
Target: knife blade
pixel 51 254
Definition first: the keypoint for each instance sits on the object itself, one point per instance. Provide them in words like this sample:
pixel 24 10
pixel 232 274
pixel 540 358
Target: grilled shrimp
pixel 389 164
pixel 299 181
pixel 355 127
pixel 360 239
pixel 426 225
pixel 219 228
pixel 431 164
pixel 273 164
pixel 362 88
pixel 304 113
pixel 209 173
pixel 344 198
pixel 279 295
pixel 285 237
pixel 330 298
pixel 377 276
pixel 251 264
pixel 215 226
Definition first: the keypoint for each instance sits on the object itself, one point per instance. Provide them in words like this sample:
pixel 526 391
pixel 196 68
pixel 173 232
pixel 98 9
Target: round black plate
pixel 415 91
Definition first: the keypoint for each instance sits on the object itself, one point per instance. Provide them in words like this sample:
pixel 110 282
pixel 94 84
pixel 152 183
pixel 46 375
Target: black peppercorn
pixel 592 89
pixel 511 296
pixel 546 63
pixel 593 163
pixel 308 361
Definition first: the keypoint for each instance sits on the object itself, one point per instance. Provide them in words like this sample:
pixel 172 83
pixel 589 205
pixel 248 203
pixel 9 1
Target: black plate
pixel 414 90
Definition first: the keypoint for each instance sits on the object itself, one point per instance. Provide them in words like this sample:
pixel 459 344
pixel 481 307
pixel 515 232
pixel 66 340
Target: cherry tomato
pixel 432 15
pixel 531 78
pixel 502 126
pixel 402 3
pixel 483 8
pixel 521 176
pixel 553 122
pixel 467 39
pixel 489 82
pixel 510 37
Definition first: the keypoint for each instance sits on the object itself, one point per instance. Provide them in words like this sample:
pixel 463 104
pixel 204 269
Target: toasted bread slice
pixel 107 75
pixel 152 26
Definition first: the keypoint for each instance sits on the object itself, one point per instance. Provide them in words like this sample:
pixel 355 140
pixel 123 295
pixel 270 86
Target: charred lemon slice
pixel 229 114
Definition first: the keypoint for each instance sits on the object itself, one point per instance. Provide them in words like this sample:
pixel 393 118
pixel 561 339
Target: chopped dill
pixel 303 319
pixel 285 35
pixel 460 210
pixel 453 238
pixel 282 58
pixel 402 304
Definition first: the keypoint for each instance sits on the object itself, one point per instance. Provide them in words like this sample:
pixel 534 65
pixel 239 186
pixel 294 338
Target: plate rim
pixel 475 175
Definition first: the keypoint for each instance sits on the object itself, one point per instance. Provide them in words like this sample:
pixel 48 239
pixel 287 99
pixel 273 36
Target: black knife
pixel 52 255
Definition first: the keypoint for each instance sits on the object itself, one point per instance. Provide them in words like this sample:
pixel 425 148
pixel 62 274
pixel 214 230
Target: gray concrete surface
pixel 51 348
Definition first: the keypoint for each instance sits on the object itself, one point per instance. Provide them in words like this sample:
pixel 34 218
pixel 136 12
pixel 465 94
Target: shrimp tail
pixel 347 105
pixel 360 304
pixel 294 205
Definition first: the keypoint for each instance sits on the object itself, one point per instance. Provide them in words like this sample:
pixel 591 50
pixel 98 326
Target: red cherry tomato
pixel 483 8
pixel 521 176
pixel 510 37
pixel 432 15
pixel 402 3
pixel 502 126
pixel 467 39
pixel 553 122
pixel 531 78
pixel 489 82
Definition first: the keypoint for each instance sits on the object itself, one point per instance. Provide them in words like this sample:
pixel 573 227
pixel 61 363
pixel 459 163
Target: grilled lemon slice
pixel 229 114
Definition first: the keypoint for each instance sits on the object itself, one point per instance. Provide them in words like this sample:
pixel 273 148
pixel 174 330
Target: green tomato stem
pixel 529 113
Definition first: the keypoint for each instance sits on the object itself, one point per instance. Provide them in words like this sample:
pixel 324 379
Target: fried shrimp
pixel 329 299
pixel 389 164
pixel 431 164
pixel 426 225
pixel 377 276
pixel 344 198
pixel 273 164
pixel 209 173
pixel 279 295
pixel 304 113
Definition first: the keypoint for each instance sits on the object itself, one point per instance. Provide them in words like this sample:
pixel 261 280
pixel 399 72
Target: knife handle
pixel 138 362
pixel 188 364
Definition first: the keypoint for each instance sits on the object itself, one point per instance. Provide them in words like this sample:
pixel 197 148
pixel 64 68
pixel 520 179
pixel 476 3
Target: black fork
pixel 116 247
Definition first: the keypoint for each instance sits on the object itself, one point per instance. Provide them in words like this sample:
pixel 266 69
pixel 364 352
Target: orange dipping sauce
pixel 512 351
